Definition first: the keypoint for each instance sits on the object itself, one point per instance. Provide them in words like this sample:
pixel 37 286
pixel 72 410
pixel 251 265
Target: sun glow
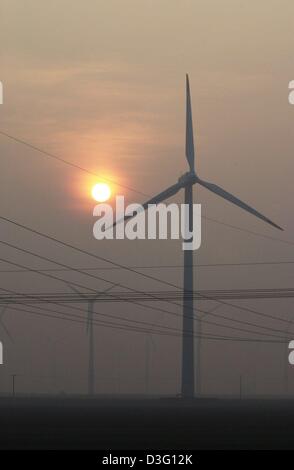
pixel 101 192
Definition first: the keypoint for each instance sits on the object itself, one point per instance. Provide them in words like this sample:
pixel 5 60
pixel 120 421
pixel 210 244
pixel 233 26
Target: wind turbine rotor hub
pixel 188 178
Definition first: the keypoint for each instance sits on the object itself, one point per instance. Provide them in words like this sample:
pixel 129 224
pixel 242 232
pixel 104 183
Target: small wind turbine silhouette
pixel 4 327
pixel 90 333
pixel 187 182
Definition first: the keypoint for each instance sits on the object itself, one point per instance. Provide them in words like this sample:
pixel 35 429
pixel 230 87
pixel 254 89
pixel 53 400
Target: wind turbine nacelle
pixel 188 178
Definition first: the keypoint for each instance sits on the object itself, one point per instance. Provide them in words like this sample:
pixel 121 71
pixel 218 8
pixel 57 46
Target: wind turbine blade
pixel 234 200
pixel 167 193
pixel 98 294
pixel 73 288
pixel 189 128
pixel 171 191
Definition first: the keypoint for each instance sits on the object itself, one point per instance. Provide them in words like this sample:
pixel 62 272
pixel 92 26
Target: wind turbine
pixel 90 333
pixel 4 327
pixel 186 182
pixel 3 324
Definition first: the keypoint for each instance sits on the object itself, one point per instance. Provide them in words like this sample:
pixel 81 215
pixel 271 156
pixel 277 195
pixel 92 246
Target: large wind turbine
pixel 187 182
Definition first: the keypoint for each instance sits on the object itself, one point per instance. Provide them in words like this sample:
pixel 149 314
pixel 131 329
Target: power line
pixel 148 276
pixel 61 299
pixel 70 316
pixel 67 316
pixel 79 319
pixel 78 167
pixel 123 267
pixel 168 312
pixel 250 232
pixel 165 295
pixel 156 266
pixel 131 301
pixel 76 308
pixel 66 162
pixel 157 332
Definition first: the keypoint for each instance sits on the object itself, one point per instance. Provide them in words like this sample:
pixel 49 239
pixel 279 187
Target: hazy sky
pixel 101 84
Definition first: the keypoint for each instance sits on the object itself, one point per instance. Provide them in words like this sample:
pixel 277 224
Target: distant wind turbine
pixel 186 182
pixel 4 327
pixel 90 332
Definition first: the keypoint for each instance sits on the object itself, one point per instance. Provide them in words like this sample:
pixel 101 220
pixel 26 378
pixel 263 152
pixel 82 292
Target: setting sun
pixel 101 192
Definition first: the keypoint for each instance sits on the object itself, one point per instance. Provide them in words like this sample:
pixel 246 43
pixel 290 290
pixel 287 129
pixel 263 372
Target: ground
pixel 135 423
